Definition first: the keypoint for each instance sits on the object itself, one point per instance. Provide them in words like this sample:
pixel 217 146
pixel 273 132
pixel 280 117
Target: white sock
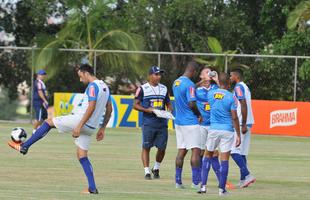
pixel 156 165
pixel 203 188
pixel 34 130
pixel 147 170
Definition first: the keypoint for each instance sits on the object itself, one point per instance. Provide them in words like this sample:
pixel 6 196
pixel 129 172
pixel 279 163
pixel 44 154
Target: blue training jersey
pixel 222 102
pixel 38 85
pixel 184 93
pixel 203 104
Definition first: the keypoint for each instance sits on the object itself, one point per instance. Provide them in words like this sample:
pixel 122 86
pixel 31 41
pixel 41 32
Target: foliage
pixel 299 16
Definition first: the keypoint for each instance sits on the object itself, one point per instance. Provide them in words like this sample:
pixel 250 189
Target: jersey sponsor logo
pixel 177 83
pixel 283 118
pixel 91 91
pixel 158 103
pixel 207 106
pixel 192 92
pixel 239 91
pixel 138 92
pixel 219 96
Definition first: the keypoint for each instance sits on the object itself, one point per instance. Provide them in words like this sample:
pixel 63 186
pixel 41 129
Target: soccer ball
pixel 18 135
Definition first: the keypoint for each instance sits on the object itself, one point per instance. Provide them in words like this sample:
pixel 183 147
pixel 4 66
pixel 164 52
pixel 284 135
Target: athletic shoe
pixel 223 192
pixel 18 147
pixel 155 173
pixel 179 186
pixel 241 182
pixel 88 191
pixel 148 177
pixel 195 187
pixel 202 190
pixel 229 185
pixel 249 179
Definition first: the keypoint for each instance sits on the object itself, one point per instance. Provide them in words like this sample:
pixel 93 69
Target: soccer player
pixel 82 124
pixel 245 115
pixel 223 119
pixel 149 96
pixel 40 103
pixel 206 84
pixel 187 124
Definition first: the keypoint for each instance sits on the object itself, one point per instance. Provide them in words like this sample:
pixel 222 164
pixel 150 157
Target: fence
pixel 270 77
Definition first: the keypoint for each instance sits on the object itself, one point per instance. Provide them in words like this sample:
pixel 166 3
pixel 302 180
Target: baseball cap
pixel 155 70
pixel 41 72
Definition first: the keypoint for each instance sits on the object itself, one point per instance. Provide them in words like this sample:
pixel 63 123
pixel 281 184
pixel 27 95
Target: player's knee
pixel 80 153
pixel 50 122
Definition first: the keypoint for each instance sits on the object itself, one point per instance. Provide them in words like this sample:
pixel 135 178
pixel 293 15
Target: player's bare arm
pixel 100 134
pixel 137 106
pixel 244 113
pixel 195 110
pixel 41 95
pixel 236 126
pixel 90 109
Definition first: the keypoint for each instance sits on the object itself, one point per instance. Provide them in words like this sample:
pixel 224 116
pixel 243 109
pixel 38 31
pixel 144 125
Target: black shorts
pixel 154 137
pixel 40 113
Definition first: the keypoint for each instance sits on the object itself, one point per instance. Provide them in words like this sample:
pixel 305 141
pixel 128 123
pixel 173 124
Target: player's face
pixel 204 75
pixel 233 77
pixel 155 78
pixel 41 77
pixel 83 77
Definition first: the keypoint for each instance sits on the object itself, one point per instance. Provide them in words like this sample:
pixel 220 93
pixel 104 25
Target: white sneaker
pixel 195 187
pixel 202 190
pixel 179 186
pixel 241 182
pixel 223 193
pixel 249 179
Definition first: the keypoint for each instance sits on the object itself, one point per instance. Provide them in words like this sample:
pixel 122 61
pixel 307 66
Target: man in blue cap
pixel 150 96
pixel 39 103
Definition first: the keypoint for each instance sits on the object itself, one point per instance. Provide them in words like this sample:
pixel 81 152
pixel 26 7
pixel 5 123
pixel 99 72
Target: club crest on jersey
pixel 92 91
pixel 239 91
pixel 192 92
pixel 219 96
pixel 207 106
pixel 177 83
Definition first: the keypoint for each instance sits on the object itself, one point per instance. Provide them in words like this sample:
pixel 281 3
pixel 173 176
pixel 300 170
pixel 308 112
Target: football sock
pixel 216 167
pixel 242 166
pixel 40 133
pixel 156 165
pixel 224 174
pixel 88 170
pixel 206 165
pixel 200 166
pixel 245 160
pixel 178 175
pixel 196 175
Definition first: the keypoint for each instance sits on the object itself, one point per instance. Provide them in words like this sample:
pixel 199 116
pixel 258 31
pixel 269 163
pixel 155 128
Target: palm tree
pixel 219 61
pixel 300 16
pixel 87 28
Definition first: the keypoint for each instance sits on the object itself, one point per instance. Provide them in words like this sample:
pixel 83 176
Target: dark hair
pixel 212 69
pixel 238 72
pixel 192 66
pixel 87 68
pixel 224 79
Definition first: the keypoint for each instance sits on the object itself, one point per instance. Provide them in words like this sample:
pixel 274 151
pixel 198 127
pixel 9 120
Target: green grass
pixel 51 171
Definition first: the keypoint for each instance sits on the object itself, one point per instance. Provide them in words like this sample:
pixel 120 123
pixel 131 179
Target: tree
pixel 299 17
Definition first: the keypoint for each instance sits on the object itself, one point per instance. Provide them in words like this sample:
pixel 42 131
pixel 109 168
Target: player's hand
pixel 100 134
pixel 238 141
pixel 76 132
pixel 244 129
pixel 200 119
pixel 45 105
pixel 150 109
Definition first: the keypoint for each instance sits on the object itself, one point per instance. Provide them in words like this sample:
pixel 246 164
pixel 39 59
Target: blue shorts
pixel 40 113
pixel 154 137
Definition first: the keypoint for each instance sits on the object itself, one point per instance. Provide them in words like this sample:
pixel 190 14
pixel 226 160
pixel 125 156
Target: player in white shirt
pixel 82 124
pixel 246 119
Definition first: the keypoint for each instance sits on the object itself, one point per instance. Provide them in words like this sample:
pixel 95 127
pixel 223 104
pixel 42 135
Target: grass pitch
pixel 50 170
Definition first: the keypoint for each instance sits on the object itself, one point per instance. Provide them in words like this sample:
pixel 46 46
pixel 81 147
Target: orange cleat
pixel 88 191
pixel 17 147
pixel 230 186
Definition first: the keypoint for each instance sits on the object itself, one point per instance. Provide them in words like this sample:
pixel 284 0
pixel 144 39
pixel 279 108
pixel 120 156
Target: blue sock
pixel 224 174
pixel 200 166
pixel 216 167
pixel 40 133
pixel 88 169
pixel 242 166
pixel 245 160
pixel 196 176
pixel 178 175
pixel 206 165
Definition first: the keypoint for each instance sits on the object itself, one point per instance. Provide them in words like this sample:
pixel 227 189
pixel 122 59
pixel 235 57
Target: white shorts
pixel 188 137
pixel 204 136
pixel 244 147
pixel 66 124
pixel 220 138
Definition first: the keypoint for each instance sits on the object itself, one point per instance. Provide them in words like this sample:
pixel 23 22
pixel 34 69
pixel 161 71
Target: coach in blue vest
pixel 149 96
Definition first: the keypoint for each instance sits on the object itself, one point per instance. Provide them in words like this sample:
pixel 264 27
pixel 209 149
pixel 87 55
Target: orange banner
pixel 281 117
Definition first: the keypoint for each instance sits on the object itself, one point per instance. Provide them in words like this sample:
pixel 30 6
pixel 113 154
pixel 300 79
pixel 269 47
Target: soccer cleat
pixel 179 186
pixel 223 193
pixel 148 177
pixel 202 190
pixel 18 147
pixel 88 191
pixel 241 182
pixel 155 173
pixel 195 187
pixel 229 185
pixel 249 179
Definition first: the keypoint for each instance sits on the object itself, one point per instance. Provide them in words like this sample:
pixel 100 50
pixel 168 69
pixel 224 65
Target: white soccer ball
pixel 18 134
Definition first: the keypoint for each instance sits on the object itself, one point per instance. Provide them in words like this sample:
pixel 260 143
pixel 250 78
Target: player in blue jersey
pixel 187 124
pixel 149 96
pixel 82 123
pixel 223 120
pixel 39 102
pixel 245 114
pixel 206 84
